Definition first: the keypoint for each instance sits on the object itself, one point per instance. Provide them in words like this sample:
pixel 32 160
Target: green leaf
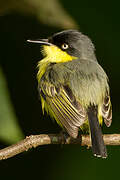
pixel 10 131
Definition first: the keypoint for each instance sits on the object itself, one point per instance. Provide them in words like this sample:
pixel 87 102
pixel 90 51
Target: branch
pixel 44 139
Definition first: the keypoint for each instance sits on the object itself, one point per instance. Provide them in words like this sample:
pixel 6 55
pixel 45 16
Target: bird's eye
pixel 64 46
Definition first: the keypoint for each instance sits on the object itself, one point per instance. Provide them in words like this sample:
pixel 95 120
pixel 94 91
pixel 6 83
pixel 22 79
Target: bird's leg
pixel 64 137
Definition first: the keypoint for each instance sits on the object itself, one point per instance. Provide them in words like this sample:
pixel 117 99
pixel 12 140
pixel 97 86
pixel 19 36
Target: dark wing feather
pixel 66 109
pixel 107 111
pixel 64 119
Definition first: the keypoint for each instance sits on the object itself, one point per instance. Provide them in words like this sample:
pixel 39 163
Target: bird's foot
pixel 65 138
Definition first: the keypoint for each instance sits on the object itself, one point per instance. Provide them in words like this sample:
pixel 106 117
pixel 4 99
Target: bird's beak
pixel 40 41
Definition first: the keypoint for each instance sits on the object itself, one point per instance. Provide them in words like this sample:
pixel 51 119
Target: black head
pixel 74 43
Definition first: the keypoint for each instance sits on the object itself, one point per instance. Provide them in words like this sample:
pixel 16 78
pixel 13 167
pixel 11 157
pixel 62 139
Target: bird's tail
pixel 98 146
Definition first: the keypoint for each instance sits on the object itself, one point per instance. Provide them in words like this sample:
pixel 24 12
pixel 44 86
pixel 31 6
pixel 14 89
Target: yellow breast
pixel 52 54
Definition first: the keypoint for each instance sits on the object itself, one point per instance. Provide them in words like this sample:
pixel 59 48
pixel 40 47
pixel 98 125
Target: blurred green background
pixel 20 111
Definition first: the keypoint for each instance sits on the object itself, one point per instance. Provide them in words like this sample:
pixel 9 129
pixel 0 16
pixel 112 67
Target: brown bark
pixel 44 139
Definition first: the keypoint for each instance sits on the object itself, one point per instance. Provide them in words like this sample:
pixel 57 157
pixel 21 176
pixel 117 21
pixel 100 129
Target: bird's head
pixel 66 46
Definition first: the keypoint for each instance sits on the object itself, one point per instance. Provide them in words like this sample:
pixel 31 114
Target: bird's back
pixel 86 79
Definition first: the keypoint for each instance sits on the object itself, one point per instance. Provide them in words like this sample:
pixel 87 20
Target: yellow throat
pixel 52 54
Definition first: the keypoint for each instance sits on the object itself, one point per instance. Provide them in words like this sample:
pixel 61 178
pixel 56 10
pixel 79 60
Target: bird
pixel 73 87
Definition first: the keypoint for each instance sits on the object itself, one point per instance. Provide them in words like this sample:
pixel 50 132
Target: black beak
pixel 40 41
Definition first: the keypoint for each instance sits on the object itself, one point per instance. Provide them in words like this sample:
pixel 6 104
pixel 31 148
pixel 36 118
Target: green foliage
pixel 10 131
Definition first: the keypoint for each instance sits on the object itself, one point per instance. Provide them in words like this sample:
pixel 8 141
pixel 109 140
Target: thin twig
pixel 44 139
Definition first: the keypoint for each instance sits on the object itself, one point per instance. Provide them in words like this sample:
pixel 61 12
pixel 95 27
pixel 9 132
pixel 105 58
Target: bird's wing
pixel 107 111
pixel 65 108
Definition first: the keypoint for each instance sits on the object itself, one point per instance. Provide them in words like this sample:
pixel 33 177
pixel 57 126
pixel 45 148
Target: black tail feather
pixel 98 146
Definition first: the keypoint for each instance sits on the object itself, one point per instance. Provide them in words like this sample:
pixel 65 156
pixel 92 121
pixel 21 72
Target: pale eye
pixel 64 46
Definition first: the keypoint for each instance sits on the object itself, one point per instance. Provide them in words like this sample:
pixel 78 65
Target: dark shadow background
pixel 19 60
